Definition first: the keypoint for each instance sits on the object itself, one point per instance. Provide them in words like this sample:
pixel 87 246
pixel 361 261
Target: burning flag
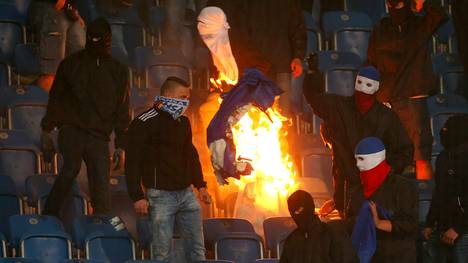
pixel 247 140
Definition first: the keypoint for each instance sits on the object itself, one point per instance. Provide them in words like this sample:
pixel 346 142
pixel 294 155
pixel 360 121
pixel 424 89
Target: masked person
pixel 446 228
pixel 350 119
pixel 89 99
pixel 162 158
pixel 398 48
pixel 230 48
pixel 312 241
pixel 393 204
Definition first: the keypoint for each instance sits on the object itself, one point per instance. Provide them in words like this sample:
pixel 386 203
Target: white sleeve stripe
pixel 148 115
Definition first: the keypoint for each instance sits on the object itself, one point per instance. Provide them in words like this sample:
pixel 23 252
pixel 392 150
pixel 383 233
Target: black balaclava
pixel 99 38
pixel 454 132
pixel 399 16
pixel 302 209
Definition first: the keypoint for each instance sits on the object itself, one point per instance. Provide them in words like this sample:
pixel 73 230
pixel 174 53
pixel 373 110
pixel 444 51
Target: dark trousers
pixel 414 116
pixel 76 146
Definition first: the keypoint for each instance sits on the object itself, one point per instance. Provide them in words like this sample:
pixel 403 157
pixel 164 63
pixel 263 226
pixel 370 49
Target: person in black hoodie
pixel 312 241
pixel 89 99
pixel 447 221
pixel 398 49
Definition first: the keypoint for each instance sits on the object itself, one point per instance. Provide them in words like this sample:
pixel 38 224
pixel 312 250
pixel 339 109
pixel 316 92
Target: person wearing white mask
pixel 161 158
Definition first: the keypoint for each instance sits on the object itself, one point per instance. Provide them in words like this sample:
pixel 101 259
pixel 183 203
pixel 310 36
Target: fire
pixel 222 81
pixel 261 137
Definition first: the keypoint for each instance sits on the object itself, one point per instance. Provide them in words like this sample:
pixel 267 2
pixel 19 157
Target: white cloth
pixel 366 162
pixel 213 29
pixel 366 85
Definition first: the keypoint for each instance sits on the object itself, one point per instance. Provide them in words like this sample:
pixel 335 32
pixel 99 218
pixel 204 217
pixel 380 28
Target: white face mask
pixel 365 85
pixel 366 162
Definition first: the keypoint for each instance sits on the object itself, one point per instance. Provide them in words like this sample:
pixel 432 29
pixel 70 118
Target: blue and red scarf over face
pixel 175 107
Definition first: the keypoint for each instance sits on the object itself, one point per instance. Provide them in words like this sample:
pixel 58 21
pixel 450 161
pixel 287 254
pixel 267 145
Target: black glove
pixel 47 147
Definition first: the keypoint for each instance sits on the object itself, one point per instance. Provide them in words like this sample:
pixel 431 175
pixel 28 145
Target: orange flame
pixel 222 81
pixel 261 137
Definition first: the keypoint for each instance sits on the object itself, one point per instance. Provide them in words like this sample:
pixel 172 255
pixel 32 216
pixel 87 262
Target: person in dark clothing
pixel 230 47
pixel 277 29
pixel 161 156
pixel 398 48
pixel 89 99
pixel 393 202
pixel 446 226
pixel 348 120
pixel 460 22
pixel 312 241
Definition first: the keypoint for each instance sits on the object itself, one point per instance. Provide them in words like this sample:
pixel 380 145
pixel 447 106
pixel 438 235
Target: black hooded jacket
pixel 346 126
pixel 400 52
pixel 91 93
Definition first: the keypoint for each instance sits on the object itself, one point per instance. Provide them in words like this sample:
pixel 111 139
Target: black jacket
pixel 160 154
pixel 90 94
pixel 400 53
pixel 451 192
pixel 398 196
pixel 347 126
pixel 321 244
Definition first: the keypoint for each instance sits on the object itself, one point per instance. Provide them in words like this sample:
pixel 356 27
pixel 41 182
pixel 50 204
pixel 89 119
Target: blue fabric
pixel 364 233
pixel 369 72
pixel 253 88
pixel 369 145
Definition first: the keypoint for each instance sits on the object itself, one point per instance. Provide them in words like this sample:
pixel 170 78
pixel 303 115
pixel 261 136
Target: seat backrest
pixel 21 225
pixel 90 227
pixel 2 245
pixel 5 74
pixel 20 260
pixel 375 9
pixel 127 36
pixel 274 227
pixel 12 34
pixel 424 206
pixel 49 248
pixel 340 81
pixel 267 260
pixel 10 203
pixel 239 247
pixel 27 59
pixel 213 228
pixel 18 157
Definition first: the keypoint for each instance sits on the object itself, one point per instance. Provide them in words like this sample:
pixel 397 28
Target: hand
pixel 296 67
pixel 327 207
pixel 47 146
pixel 205 197
pixel 449 236
pixel 427 231
pixel 141 207
pixel 118 159
pixel 373 208
pixel 381 224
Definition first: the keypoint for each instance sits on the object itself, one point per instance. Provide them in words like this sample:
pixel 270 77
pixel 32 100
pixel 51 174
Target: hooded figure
pixel 99 38
pixel 313 241
pixel 350 119
pixel 447 221
pixel 386 217
pixel 400 11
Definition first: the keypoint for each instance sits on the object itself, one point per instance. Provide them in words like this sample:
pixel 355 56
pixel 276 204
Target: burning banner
pixel 247 141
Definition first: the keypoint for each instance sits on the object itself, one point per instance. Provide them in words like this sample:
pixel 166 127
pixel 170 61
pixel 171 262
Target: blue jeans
pixel 59 36
pixel 181 208
pixel 437 252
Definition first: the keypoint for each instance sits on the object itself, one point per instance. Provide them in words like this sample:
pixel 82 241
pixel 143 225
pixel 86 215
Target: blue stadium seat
pixel 27 106
pixel 446 35
pixel 340 70
pixel 158 65
pixel 27 59
pixel 40 237
pixel 3 251
pixel 213 228
pixel 87 9
pixel 348 31
pixel 158 16
pixel 239 247
pixel 127 36
pixel 13 31
pixel 145 234
pixel 5 75
pixel 103 238
pixel 38 188
pixel 19 157
pixel 441 107
pixel 10 202
pixel 375 9
pixel 121 54
pixel 267 260
pixel 14 10
pixel 424 206
pixel 144 261
pixel 274 228
pixel 139 101
pixel 314 35
pixel 451 73
pixel 425 189
pixel 316 166
pixel 20 260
